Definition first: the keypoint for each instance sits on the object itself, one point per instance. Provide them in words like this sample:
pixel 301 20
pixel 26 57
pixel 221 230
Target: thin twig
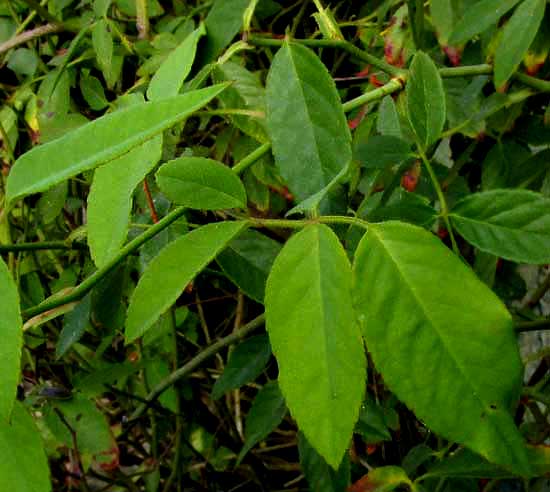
pixel 27 36
pixel 190 366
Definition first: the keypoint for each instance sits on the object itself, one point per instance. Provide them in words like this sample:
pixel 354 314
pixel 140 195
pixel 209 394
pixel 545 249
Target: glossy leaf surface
pixel 23 467
pixel 247 261
pixel 197 182
pixel 512 224
pixel 479 17
pixel 171 270
pixel 99 142
pixel 110 198
pixel 11 334
pixel 246 363
pixel 517 35
pixel 306 122
pixel 316 340
pixel 430 342
pixel 425 100
pixel 169 77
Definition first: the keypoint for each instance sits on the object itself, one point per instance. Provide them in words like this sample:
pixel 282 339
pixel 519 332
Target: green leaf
pixel 316 340
pixel 306 122
pixel 442 13
pixel 383 479
pixel 517 35
pixel 387 123
pixel 95 438
pixel 75 324
pixel 169 77
pixel 171 270
pixel 100 141
pixel 93 92
pixel 205 184
pixel 23 467
pixel 247 261
pixel 512 224
pixel 425 100
pixel 110 198
pixel 429 325
pixel 265 415
pixel 246 363
pixel 465 464
pixel 11 334
pixel 479 17
pixel 102 42
pixel 379 152
pixel 319 474
pixel 245 92
pixel 223 22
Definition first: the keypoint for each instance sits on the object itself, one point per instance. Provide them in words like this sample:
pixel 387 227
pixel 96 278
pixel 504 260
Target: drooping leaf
pixel 316 340
pixel 110 198
pixel 319 474
pixel 517 35
pixel 11 334
pixel 171 270
pixel 387 122
pixel 479 17
pixel 429 325
pixel 102 42
pixel 74 325
pixel 512 224
pixel 425 100
pixel 23 467
pixel 100 141
pixel 383 479
pixel 245 92
pixel 245 364
pixel 197 182
pixel 169 77
pixel 223 22
pixel 247 261
pixel 265 415
pixel 306 122
pixel 379 152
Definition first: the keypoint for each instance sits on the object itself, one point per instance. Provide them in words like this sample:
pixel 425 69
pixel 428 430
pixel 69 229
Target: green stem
pixel 536 395
pixel 93 279
pixel 41 11
pixel 142 19
pixel 392 86
pixel 195 362
pixel 538 324
pixel 466 71
pixel 333 43
pixel 6 248
pixel 300 223
pixel 251 158
pixel 441 197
